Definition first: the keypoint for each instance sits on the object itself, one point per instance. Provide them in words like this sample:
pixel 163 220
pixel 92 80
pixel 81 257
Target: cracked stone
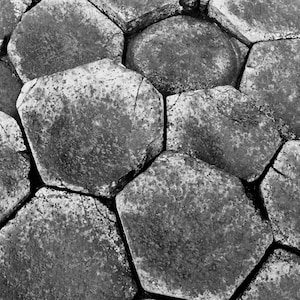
pixel 91 126
pixel 61 246
pixel 281 192
pixel 191 230
pixel 52 37
pixel 272 76
pixel 258 20
pixel 222 127
pixel 278 279
pixel 196 54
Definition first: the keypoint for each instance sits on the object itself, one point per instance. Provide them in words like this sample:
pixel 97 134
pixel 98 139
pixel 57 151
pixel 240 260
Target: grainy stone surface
pixel 281 192
pixel 52 37
pixel 14 166
pixel 272 76
pixel 63 246
pixel 258 20
pixel 222 127
pixel 191 230
pixel 184 53
pixel 279 279
pixel 90 126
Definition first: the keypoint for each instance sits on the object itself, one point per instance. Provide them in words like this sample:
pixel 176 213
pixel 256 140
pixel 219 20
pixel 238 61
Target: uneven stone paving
pixel 149 149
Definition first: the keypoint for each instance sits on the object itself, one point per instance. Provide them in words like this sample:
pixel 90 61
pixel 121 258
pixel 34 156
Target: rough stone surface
pixel 63 246
pixel 191 230
pixel 281 192
pixel 272 76
pixel 279 279
pixel 52 37
pixel 196 54
pixel 90 126
pixel 258 20
pixel 133 15
pixel 222 127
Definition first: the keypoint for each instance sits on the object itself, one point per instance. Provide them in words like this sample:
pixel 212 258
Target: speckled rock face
pixel 191 230
pixel 63 246
pixel 132 15
pixel 196 54
pixel 14 166
pixel 222 127
pixel 258 20
pixel 272 76
pixel 278 279
pixel 52 38
pixel 90 126
pixel 281 192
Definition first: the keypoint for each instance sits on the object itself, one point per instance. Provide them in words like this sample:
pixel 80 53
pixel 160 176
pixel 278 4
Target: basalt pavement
pixel 149 149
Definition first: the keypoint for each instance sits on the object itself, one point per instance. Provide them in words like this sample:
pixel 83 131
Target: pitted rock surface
pixel 272 76
pixel 191 230
pixel 281 192
pixel 63 246
pixel 258 20
pixel 14 166
pixel 90 126
pixel 278 279
pixel 222 127
pixel 52 37
pixel 196 54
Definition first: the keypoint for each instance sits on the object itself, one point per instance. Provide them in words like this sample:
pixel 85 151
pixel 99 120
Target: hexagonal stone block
pixel 272 76
pixel 281 192
pixel 191 230
pixel 63 246
pixel 52 37
pixel 258 20
pixel 278 279
pixel 222 127
pixel 184 53
pixel 91 126
pixel 14 166
pixel 133 15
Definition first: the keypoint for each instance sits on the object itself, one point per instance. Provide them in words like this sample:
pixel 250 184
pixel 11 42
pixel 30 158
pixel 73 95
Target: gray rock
pixel 191 230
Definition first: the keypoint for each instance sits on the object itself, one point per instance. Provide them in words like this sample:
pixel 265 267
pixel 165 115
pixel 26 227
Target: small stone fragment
pixel 272 76
pixel 191 230
pixel 52 37
pixel 258 20
pixel 189 6
pixel 184 53
pixel 91 126
pixel 224 128
pixel 14 166
pixel 63 246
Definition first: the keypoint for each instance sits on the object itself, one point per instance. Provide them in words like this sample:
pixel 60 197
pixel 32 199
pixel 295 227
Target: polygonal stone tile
pixel 184 53
pixel 132 15
pixel 90 126
pixel 279 279
pixel 57 35
pixel 258 20
pixel 281 192
pixel 63 246
pixel 272 76
pixel 222 127
pixel 191 230
pixel 14 166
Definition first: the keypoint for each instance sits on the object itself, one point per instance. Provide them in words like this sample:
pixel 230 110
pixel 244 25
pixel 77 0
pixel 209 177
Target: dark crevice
pixel 161 297
pixel 242 69
pixel 139 295
pixel 288 248
pixel 3 48
pixel 33 4
pixel 165 133
pixel 126 42
pixel 280 173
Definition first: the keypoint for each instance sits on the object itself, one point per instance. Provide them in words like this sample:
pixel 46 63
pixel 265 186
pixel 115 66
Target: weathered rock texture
pixel 281 192
pixel 258 20
pixel 222 127
pixel 52 37
pixel 63 246
pixel 272 76
pixel 184 53
pixel 191 230
pixel 90 126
